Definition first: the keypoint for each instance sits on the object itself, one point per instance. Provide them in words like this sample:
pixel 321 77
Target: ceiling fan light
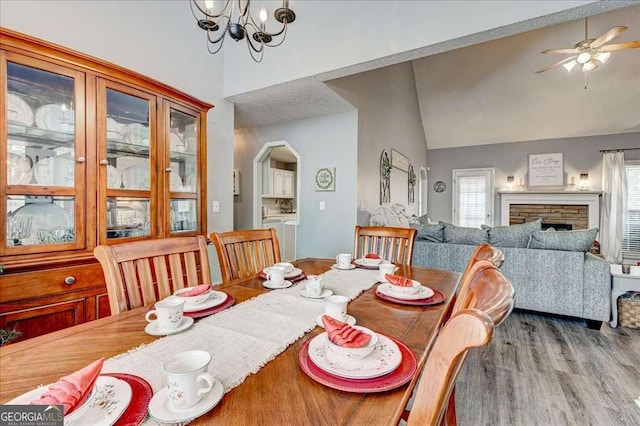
pixel 583 58
pixel 602 57
pixel 589 66
pixel 570 65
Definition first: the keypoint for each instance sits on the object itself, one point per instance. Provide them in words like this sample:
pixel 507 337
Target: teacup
pixel 336 306
pixel 314 285
pixel 386 268
pixel 185 373
pixel 168 312
pixel 288 267
pixel 343 260
pixel 275 274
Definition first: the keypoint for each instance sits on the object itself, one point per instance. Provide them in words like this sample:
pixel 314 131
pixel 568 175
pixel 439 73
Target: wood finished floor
pixel 548 370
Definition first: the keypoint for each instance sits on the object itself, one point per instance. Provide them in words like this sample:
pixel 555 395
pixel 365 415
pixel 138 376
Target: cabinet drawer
pixel 28 285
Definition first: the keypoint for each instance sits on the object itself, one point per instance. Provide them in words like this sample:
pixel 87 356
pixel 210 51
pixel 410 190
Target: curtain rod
pixel 618 150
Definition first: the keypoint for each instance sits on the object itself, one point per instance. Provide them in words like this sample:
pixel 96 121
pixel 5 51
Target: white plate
pixel 215 298
pixel 57 171
pixel 111 399
pixel 422 293
pixel 136 177
pixel 114 129
pixel 18 170
pixel 385 358
pixel 350 320
pixel 294 273
pixel 325 293
pixel 160 410
pixel 114 180
pixel 152 327
pixel 335 266
pixel 268 284
pixel 18 110
pixel 45 216
pixel 368 263
pixel 136 134
pixel 55 117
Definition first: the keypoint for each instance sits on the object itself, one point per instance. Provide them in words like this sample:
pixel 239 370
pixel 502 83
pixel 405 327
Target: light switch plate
pixel 321 205
pixel 215 206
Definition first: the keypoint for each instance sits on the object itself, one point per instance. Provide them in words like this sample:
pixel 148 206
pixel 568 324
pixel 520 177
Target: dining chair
pixel 245 253
pixel 392 244
pixel 139 273
pixel 468 329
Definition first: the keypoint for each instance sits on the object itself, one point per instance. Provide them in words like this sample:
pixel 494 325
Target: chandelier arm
pixel 213 52
pixel 282 40
pixel 222 34
pixel 244 13
pixel 205 13
pixel 252 49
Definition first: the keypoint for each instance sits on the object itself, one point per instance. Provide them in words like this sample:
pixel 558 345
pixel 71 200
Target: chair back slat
pixel 162 276
pixel 392 244
pixel 191 269
pixel 145 278
pixel 245 253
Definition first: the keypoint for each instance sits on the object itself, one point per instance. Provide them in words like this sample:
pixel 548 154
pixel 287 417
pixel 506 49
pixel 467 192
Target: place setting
pixel 353 358
pixel 202 300
pixel 369 261
pixel 403 290
pixel 343 262
pixel 314 288
pixel 89 396
pixel 290 274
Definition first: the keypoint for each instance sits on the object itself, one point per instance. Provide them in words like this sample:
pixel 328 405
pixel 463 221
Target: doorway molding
pixel 257 178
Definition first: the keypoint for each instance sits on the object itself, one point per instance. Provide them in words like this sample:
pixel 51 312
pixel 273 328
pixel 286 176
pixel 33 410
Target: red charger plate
pixel 138 408
pixel 433 300
pixel 396 378
pixel 229 301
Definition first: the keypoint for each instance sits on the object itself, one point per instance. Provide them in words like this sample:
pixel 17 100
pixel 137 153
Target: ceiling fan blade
pixel 561 62
pixel 570 51
pixel 609 35
pixel 620 46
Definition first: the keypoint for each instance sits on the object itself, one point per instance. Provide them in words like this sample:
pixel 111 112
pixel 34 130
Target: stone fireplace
pixel 580 209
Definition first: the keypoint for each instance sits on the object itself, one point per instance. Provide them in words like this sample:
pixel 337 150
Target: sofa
pixel 552 272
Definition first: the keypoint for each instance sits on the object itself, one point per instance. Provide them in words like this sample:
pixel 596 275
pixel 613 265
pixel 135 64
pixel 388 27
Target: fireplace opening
pixel 557 226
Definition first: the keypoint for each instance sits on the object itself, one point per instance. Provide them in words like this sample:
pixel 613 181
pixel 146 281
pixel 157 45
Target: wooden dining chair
pixel 392 244
pixel 139 273
pixel 245 253
pixel 467 329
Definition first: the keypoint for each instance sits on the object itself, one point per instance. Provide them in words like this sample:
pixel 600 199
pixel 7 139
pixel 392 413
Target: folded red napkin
pixel 342 334
pixel 73 390
pixel 197 290
pixel 372 256
pixel 398 280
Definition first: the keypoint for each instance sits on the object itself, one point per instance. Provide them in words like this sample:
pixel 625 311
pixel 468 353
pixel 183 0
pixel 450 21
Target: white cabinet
pixel 286 228
pixel 282 183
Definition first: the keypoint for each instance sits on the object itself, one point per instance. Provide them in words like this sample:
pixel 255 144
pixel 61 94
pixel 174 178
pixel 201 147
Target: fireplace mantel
pixel 588 198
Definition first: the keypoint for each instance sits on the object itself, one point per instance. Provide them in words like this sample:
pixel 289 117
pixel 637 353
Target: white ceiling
pixel 488 92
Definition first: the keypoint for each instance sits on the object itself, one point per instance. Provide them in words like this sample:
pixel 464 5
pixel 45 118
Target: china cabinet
pixel 94 154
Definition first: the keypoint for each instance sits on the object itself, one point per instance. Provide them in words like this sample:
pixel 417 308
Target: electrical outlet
pixel 215 206
pixel 321 205
pixel 363 208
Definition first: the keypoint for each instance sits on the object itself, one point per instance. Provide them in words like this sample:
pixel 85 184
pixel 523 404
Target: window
pixel 631 236
pixel 473 197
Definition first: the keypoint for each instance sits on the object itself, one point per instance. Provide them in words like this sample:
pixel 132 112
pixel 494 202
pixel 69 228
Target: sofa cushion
pixel 514 235
pixel 463 235
pixel 434 233
pixel 580 240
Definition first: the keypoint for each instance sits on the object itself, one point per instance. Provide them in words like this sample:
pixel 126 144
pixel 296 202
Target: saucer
pixel 335 266
pixel 350 320
pixel 160 410
pixel 152 327
pixel 268 284
pixel 325 292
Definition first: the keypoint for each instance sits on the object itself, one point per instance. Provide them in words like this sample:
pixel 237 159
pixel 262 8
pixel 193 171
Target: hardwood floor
pixel 548 370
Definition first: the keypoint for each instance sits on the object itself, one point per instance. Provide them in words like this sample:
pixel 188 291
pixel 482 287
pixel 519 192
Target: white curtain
pixel 614 201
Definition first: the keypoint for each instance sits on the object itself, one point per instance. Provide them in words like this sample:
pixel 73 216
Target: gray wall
pixel 388 117
pixel 325 141
pixel 581 155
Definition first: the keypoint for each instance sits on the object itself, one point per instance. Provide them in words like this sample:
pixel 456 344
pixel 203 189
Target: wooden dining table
pixel 280 393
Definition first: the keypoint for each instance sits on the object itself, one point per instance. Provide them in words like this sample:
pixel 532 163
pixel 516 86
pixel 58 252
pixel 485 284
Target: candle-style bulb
pixel 208 4
pixel 263 15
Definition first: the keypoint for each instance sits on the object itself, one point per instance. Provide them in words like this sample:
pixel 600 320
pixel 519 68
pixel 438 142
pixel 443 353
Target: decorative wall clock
pixel 439 186
pixel 325 179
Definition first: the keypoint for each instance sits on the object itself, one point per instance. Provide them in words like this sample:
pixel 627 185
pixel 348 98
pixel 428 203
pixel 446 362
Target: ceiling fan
pixel 590 51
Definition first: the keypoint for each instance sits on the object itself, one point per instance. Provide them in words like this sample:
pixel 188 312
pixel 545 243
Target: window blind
pixel 473 201
pixel 631 236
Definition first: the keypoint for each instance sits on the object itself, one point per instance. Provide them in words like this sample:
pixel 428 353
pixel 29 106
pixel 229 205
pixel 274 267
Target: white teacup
pixel 343 260
pixel 314 285
pixel 168 313
pixel 275 275
pixel 288 267
pixel 187 378
pixel 336 306
pixel 386 268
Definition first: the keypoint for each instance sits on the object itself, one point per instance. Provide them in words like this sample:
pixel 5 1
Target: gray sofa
pixel 564 282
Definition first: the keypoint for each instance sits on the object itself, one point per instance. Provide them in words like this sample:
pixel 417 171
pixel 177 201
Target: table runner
pixel 245 337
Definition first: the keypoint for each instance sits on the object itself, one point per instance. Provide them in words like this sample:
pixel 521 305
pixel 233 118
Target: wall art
pixel 325 179
pixel 546 169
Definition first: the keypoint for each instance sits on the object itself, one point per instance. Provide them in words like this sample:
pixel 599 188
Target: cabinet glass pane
pixel 40 220
pixel 183 152
pixel 128 217
pixel 127 142
pixel 184 215
pixel 40 127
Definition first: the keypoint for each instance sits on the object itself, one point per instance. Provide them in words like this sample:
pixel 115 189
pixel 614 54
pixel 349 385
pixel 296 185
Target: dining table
pixel 280 392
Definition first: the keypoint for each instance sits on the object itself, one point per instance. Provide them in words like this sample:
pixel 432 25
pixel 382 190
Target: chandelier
pixel 236 19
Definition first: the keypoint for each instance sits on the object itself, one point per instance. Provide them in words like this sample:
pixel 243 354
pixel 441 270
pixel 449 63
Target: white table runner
pixel 245 337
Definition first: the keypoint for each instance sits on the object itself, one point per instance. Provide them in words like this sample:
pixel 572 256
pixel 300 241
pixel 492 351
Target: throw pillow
pixel 514 235
pixel 463 235
pixel 580 240
pixel 433 233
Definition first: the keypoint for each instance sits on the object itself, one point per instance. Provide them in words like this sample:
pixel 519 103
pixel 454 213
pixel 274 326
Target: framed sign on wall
pixel 546 169
pixel 399 161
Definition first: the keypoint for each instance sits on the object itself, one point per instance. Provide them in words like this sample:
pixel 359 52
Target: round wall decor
pixel 439 186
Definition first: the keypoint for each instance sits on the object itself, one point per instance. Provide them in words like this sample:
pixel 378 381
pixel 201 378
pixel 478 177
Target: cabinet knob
pixel 104 162
pixel 69 280
pixel 81 159
pixel 168 170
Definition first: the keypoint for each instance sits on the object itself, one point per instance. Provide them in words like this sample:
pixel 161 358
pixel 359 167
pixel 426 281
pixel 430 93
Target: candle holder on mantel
pixel 584 181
